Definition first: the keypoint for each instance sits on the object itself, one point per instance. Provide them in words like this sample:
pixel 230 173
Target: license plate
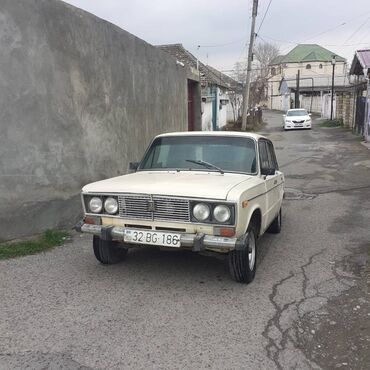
pixel 298 125
pixel 152 238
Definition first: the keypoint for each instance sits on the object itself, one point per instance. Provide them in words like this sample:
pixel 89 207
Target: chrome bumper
pixel 198 241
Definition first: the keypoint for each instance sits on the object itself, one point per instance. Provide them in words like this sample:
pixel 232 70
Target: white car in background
pixel 296 118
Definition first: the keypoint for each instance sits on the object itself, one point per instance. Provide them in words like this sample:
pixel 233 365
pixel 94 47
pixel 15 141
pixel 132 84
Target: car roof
pixel 296 109
pixel 214 133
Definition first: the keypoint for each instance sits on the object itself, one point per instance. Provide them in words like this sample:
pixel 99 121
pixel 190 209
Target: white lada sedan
pixel 297 118
pixel 203 191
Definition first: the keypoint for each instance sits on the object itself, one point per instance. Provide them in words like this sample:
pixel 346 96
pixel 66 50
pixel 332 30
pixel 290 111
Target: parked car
pixel 296 119
pixel 203 191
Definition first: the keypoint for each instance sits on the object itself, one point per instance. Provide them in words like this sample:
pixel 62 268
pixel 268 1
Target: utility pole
pixel 249 67
pixel 296 98
pixel 332 87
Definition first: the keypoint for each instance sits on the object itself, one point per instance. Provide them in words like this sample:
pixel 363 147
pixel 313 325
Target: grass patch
pixel 333 123
pixel 48 240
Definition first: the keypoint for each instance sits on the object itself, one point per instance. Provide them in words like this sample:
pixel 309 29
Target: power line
pixel 324 32
pixel 296 43
pixel 220 45
pixel 358 29
pixel 264 16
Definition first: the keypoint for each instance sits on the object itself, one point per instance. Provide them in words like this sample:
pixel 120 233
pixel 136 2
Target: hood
pixel 300 118
pixel 195 184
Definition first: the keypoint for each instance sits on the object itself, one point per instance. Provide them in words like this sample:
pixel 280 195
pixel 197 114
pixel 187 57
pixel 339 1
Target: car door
pixel 270 182
pixel 278 181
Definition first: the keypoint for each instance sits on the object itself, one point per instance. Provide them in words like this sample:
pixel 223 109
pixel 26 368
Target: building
pixel 220 94
pixel 314 65
pixel 360 68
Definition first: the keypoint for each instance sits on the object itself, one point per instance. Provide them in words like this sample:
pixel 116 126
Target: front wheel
pixel 108 252
pixel 242 263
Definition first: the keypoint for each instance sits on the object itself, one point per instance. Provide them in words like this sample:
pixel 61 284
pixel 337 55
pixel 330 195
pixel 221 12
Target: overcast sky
pixel 221 27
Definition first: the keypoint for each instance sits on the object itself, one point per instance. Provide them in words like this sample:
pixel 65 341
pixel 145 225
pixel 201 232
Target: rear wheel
pixel 108 252
pixel 242 263
pixel 275 227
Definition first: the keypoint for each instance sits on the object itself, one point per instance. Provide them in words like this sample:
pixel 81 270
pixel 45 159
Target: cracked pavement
pixel 308 307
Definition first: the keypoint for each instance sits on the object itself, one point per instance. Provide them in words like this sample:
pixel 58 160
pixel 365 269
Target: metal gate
pixel 191 115
pixel 360 115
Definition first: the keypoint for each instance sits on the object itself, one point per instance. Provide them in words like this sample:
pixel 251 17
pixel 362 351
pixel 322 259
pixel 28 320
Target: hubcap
pixel 251 250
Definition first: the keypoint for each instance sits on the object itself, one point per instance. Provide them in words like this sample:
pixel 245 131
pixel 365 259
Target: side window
pixel 271 156
pixel 264 160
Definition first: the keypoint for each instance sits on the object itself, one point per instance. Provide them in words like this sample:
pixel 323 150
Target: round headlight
pixel 201 211
pixel 95 205
pixel 222 213
pixel 111 205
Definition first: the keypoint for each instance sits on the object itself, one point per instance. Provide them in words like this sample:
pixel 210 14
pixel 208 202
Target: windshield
pixel 230 154
pixel 298 112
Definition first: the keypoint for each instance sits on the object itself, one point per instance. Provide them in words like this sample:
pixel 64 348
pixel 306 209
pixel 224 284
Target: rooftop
pixel 307 53
pixel 361 62
pixel 207 73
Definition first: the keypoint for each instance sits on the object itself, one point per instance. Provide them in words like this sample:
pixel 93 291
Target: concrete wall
pixel 345 107
pixel 79 99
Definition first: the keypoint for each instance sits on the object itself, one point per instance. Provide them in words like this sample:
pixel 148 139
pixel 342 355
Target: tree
pixel 264 53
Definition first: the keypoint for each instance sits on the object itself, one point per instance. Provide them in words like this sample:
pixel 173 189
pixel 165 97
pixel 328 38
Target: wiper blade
pixel 205 164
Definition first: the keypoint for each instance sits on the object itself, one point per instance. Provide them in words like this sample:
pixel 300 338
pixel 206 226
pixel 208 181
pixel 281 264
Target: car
pixel 208 192
pixel 297 119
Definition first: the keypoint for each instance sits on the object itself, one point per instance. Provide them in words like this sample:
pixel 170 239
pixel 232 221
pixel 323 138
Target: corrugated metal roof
pixel 360 62
pixel 307 53
pixel 208 74
pixel 364 57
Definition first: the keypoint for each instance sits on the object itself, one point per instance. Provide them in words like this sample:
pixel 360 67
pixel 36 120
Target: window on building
pixel 320 66
pixel 273 71
pixel 308 66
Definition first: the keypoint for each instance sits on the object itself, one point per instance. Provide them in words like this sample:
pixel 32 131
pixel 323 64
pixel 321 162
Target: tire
pixel 242 263
pixel 108 252
pixel 275 227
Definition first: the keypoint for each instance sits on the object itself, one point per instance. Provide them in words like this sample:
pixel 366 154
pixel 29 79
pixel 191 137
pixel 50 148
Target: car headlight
pixel 288 121
pixel 95 205
pixel 111 205
pixel 222 213
pixel 201 211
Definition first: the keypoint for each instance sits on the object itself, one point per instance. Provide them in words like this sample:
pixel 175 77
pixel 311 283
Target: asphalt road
pixel 308 307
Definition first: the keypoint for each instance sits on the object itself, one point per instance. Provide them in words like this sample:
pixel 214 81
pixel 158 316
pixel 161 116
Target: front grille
pixel 148 207
pixel 298 121
pixel 134 206
pixel 171 209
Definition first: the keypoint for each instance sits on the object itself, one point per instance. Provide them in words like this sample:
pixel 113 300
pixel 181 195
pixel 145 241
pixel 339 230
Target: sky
pixel 217 31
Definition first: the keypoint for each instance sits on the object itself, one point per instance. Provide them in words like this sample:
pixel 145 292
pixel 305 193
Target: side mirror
pixel 309 114
pixel 133 166
pixel 267 171
pixel 284 115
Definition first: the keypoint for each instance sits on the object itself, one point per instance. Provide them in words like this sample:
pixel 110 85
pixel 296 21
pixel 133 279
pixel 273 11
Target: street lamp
pixel 332 87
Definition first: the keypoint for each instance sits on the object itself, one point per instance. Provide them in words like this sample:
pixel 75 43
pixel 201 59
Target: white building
pixel 315 68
